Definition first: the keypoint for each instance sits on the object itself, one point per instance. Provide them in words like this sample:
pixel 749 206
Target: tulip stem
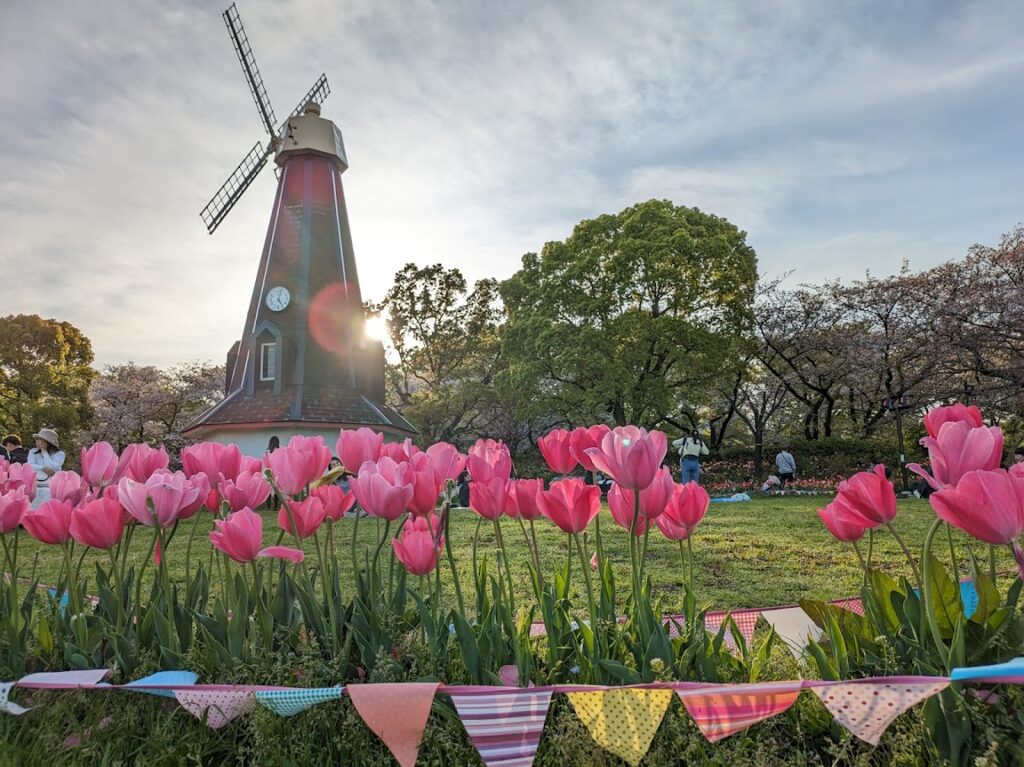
pixel 689 553
pixel 952 553
pixel 451 562
pixel 926 597
pixel 633 549
pixel 188 549
pixel 906 553
pixel 589 583
pixel 863 564
pixel 355 531
pixel 992 562
pixel 505 566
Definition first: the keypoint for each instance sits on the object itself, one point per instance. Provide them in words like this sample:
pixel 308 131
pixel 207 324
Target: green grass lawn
pixel 767 552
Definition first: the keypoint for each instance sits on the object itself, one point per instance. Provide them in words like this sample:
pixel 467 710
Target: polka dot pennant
pixel 218 707
pixel 622 721
pixel 867 708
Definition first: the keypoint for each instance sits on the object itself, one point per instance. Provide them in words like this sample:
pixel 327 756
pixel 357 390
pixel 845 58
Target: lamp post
pixel 897 406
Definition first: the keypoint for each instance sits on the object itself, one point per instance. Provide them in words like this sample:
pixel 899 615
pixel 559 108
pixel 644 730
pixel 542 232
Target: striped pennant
pixel 505 725
pixel 295 701
pixel 723 710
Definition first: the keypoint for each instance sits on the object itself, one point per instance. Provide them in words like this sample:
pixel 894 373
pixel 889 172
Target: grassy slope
pixel 766 552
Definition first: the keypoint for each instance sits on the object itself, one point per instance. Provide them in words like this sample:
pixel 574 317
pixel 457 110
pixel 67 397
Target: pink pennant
pixel 66 680
pixel 218 706
pixel 866 708
pixel 722 710
pixel 505 725
pixel 397 713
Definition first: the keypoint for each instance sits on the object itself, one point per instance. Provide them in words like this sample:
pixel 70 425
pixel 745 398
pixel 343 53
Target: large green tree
pixel 45 372
pixel 446 350
pixel 634 317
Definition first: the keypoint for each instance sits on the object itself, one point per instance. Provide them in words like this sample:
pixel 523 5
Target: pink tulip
pixel 357 446
pixel 583 438
pixel 621 501
pixel 1018 557
pixel 213 459
pixel 99 465
pixel 489 459
pixel 686 508
pixel 204 497
pixel 168 493
pixel 425 488
pixel 240 535
pixel 384 488
pixel 870 495
pixel 298 463
pixel 448 461
pixel 523 498
pixel 17 475
pixel 308 514
pixel 630 455
pixel 490 498
pixel 844 522
pixel 934 418
pixel 1017 471
pixel 139 461
pixel 417 547
pixel 250 464
pixel 14 504
pixel 958 449
pixel 335 500
pixel 399 452
pixel 99 523
pixel 68 486
pixel 555 447
pixel 247 489
pixel 985 504
pixel 570 503
pixel 50 523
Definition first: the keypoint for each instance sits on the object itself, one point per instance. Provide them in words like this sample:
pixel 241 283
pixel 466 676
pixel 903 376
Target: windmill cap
pixel 311 108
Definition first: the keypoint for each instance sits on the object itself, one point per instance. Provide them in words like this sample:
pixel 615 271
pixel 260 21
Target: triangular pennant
pixel 149 684
pixel 397 713
pixel 793 626
pixel 724 710
pixel 217 706
pixel 64 679
pixel 292 702
pixel 504 725
pixel 1012 671
pixel 622 721
pixel 745 620
pixel 867 707
pixel 7 705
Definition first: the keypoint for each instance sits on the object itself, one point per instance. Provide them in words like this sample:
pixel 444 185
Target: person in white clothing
pixel 47 459
pixel 690 448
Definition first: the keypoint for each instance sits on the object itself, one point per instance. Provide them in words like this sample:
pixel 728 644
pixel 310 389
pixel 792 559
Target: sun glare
pixel 376 328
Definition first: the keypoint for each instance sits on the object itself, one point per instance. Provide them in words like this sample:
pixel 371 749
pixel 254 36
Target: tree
pixel 142 403
pixel 635 316
pixel 445 340
pixel 44 375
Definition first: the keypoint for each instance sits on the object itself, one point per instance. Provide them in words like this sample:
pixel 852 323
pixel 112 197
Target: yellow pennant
pixel 622 721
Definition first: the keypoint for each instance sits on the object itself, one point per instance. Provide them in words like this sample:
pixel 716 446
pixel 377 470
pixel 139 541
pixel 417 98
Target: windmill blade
pixel 250 166
pixel 252 73
pixel 317 93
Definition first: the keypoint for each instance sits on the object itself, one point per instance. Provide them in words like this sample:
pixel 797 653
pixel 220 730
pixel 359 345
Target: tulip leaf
pixel 988 597
pixel 620 672
pixel 943 598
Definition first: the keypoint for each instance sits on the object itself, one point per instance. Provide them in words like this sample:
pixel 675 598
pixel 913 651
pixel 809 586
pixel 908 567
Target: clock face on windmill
pixel 278 298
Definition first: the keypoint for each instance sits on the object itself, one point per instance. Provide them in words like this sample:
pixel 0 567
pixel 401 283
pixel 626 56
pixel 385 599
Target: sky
pixel 843 138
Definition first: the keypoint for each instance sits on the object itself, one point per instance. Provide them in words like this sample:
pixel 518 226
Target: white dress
pixel 39 461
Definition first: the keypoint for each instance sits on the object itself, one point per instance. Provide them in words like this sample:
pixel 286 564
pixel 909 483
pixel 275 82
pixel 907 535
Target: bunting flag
pixel 64 680
pixel 7 705
pixel 867 707
pixel 157 684
pixel 745 620
pixel 1010 672
pixel 292 702
pixel 216 707
pixel 397 713
pixel 505 725
pixel 723 710
pixel 793 626
pixel 624 720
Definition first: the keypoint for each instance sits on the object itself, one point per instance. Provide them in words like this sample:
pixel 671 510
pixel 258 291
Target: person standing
pixel 786 464
pixel 691 448
pixel 47 459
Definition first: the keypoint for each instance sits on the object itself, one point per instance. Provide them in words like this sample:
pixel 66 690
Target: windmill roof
pixel 319 405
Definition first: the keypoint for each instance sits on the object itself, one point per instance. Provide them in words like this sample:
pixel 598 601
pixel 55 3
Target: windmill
pixel 302 363
pixel 250 166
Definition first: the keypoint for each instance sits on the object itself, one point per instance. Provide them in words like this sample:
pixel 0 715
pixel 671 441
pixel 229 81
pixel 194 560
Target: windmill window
pixel 268 362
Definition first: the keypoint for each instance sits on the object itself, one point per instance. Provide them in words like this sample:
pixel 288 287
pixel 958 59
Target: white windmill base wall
pixel 253 442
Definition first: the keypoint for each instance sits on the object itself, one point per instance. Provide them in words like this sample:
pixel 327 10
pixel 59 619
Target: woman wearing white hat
pixel 47 459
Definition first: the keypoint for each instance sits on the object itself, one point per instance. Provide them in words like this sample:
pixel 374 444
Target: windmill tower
pixel 302 364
